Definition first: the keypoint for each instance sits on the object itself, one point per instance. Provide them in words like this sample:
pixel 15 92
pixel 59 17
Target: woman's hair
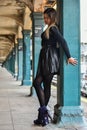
pixel 52 14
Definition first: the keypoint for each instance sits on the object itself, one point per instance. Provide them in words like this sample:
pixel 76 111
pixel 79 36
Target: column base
pixel 26 82
pixel 68 116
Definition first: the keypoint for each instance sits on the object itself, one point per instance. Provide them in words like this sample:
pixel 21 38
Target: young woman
pixel 48 64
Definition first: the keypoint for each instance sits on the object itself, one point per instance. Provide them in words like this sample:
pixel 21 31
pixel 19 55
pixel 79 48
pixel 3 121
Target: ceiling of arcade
pixel 12 14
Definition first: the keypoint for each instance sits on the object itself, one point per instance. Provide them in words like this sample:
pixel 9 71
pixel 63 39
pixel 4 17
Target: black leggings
pixel 43 93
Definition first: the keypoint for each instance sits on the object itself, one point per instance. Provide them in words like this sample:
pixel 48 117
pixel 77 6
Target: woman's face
pixel 47 19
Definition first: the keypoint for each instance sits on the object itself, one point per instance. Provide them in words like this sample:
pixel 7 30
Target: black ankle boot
pixel 42 117
pixel 39 119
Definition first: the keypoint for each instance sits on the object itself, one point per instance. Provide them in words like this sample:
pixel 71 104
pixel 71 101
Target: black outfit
pixel 48 64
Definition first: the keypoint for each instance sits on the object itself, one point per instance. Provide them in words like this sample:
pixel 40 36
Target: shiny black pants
pixel 42 85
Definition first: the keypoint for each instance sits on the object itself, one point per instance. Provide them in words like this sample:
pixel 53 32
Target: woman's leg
pixel 47 88
pixel 42 111
pixel 39 90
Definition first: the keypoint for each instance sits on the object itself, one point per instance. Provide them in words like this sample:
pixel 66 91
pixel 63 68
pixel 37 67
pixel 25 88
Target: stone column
pixel 16 61
pixel 20 58
pixel 38 29
pixel 70 111
pixel 26 58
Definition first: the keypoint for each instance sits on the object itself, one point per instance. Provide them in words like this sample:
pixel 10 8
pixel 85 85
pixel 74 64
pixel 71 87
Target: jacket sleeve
pixel 59 38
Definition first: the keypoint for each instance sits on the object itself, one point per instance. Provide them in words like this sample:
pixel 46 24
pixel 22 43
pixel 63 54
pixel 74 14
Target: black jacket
pixel 49 54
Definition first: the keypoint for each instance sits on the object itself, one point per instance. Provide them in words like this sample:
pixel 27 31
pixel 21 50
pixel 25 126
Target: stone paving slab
pixel 5 118
pixel 6 127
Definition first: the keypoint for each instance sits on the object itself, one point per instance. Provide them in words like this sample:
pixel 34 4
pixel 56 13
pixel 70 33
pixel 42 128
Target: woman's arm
pixel 57 35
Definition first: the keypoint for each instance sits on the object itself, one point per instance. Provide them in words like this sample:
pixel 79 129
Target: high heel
pixel 50 117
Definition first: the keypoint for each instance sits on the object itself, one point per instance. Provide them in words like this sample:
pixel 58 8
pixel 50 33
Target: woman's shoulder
pixel 54 28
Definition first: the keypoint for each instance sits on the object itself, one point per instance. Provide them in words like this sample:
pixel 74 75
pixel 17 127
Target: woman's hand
pixel 72 61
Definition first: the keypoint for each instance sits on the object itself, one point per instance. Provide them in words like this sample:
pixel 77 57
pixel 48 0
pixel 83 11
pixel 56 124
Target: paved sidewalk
pixel 17 110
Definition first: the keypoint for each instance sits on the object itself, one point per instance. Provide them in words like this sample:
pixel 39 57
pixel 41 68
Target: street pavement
pixel 18 110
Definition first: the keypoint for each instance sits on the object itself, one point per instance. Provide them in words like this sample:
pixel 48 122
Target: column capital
pixel 37 15
pixel 26 32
